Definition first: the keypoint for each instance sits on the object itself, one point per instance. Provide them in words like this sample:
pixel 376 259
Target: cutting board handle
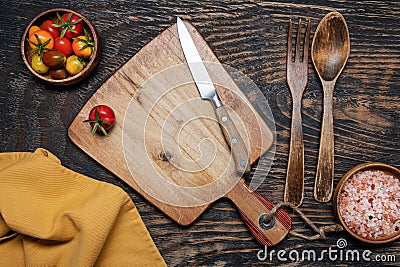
pixel 253 208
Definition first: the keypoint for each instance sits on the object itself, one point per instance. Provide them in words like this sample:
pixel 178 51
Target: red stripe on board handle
pixel 281 215
pixel 252 206
pixel 257 234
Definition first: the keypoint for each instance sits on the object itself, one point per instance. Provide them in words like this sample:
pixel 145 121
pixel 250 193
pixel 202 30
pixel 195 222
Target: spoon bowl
pixel 330 50
pixel 331 46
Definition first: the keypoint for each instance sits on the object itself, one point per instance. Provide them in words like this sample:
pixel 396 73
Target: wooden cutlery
pixel 296 76
pixel 329 51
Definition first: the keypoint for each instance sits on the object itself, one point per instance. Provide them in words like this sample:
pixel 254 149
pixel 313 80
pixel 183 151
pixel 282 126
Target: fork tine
pixel 289 43
pixel 306 41
pixel 298 40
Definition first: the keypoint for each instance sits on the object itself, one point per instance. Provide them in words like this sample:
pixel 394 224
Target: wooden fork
pixel 296 76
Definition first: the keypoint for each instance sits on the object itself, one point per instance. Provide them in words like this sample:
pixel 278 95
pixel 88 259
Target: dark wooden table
pixel 249 36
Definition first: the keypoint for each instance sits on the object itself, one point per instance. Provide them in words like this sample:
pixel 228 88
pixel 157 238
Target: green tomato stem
pixel 98 124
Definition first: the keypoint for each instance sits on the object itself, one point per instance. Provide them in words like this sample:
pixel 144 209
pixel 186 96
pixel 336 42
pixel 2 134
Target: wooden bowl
pixel 372 166
pixel 52 14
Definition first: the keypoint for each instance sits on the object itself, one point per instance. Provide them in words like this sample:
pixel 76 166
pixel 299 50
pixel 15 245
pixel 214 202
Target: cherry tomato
pixel 101 119
pixel 37 64
pixel 33 29
pixel 74 65
pixel 47 25
pixel 70 24
pixel 82 46
pixel 58 73
pixel 63 45
pixel 43 36
pixel 54 59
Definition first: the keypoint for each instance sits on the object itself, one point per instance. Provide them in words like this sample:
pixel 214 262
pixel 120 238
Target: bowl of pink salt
pixel 367 202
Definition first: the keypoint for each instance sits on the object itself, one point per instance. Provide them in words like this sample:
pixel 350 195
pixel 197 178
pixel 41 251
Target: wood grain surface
pixel 251 37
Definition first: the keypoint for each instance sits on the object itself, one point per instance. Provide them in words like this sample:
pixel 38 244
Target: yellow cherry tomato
pixel 37 64
pixel 74 65
pixel 33 29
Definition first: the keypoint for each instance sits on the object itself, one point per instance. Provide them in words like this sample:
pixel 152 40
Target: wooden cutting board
pixel 165 131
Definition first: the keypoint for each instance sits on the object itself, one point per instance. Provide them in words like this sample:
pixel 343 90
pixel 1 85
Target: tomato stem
pixel 39 46
pixel 88 43
pixel 66 25
pixel 98 124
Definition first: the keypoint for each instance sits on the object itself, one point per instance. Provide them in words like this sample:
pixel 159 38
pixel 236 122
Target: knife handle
pixel 234 140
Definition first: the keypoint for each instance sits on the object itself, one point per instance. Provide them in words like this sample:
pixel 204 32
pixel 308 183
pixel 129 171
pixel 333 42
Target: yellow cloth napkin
pixel 52 216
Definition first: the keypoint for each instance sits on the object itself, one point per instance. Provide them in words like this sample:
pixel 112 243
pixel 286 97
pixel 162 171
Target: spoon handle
pixel 294 187
pixel 323 186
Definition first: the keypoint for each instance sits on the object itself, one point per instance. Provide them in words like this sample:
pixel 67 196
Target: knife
pixel 208 92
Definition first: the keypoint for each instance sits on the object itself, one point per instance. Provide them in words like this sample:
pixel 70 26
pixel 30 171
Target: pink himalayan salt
pixel 369 204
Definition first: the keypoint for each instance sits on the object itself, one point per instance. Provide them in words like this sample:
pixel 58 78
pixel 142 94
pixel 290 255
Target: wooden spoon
pixel 329 51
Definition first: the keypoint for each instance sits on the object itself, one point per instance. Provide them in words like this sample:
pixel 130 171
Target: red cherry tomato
pixel 47 25
pixel 54 59
pixel 63 45
pixel 58 74
pixel 101 119
pixel 70 24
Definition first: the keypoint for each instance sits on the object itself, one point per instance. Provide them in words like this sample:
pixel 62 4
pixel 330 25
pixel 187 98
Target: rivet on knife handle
pixel 233 138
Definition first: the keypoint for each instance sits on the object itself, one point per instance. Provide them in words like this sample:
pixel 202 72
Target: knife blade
pixel 207 91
